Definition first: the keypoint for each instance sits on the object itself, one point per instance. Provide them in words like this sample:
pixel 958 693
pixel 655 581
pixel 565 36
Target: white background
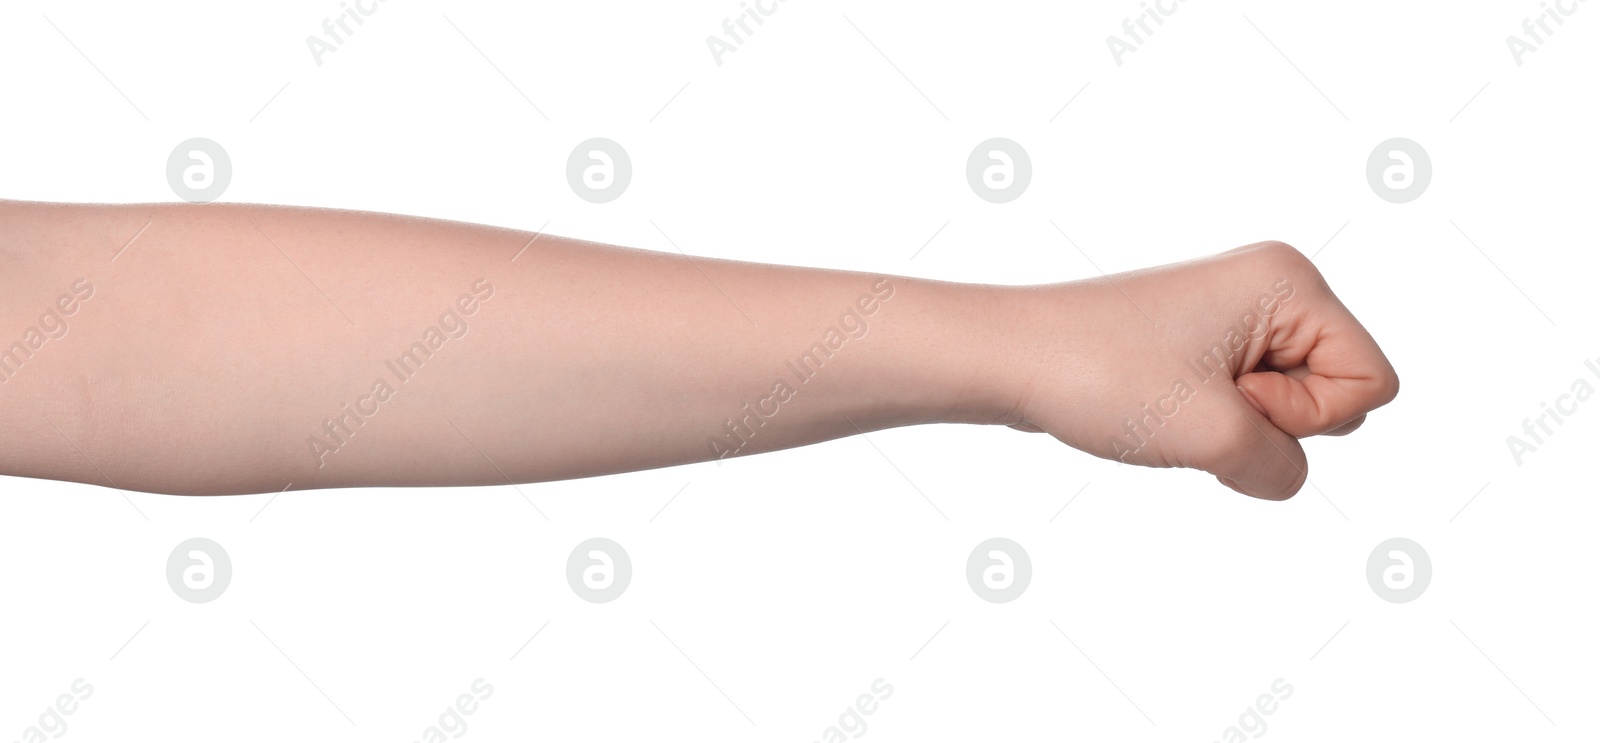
pixel 770 592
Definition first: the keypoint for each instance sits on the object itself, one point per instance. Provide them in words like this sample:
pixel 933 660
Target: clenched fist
pixel 1219 364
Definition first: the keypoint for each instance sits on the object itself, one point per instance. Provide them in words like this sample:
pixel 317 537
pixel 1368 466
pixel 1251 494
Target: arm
pixel 233 348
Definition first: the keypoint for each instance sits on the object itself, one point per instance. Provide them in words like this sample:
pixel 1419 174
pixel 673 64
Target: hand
pixel 1219 364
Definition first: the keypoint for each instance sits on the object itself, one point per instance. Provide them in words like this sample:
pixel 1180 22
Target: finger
pixel 1321 375
pixel 1348 427
pixel 1254 457
pixel 1316 404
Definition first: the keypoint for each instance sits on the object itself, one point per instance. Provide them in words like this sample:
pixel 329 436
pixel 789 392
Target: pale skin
pixel 209 355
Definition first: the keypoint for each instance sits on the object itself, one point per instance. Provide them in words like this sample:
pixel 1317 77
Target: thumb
pixel 1303 403
pixel 1255 457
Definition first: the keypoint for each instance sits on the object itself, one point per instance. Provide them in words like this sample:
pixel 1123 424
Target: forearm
pixel 241 349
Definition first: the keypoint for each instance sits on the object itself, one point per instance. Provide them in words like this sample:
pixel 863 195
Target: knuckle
pixel 1275 260
pixel 1287 258
pixel 1281 253
pixel 1279 247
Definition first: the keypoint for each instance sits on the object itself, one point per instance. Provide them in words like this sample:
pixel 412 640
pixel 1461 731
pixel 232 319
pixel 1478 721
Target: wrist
pixel 971 353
